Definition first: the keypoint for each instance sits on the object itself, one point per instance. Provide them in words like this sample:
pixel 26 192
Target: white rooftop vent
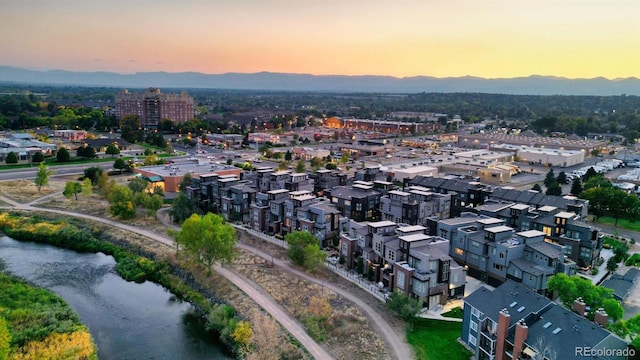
pixel 546 326
pixel 556 331
pixel 513 304
pixel 520 308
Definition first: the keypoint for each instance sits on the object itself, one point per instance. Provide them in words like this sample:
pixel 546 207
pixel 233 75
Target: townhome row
pixel 403 258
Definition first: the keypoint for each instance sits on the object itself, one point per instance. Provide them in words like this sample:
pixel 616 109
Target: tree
pixel 93 173
pixel 304 250
pixel 38 157
pixel 300 166
pixel 63 155
pixel 344 158
pixel 288 156
pixel 403 306
pixel 550 178
pixel 42 176
pixel 576 187
pixel 570 288
pixel 131 129
pixel 121 199
pixel 554 189
pixel 112 150
pixel 72 188
pixel 183 208
pixel 186 181
pixel 562 178
pixel 537 188
pixel 152 203
pixel 11 158
pixel 591 172
pixel 87 187
pixel 138 185
pixel 86 151
pixel 315 162
pixel 121 164
pixel 207 238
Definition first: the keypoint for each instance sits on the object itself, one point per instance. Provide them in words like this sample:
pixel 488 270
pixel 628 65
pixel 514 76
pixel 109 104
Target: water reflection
pixel 127 320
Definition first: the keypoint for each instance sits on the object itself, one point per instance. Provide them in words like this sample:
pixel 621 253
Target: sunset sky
pixel 485 38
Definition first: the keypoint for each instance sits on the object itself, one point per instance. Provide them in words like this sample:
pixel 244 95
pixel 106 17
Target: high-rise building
pixel 153 106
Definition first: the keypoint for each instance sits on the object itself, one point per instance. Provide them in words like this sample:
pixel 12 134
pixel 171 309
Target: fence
pixel 354 278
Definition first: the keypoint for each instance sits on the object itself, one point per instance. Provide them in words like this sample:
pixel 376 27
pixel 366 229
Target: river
pixel 127 320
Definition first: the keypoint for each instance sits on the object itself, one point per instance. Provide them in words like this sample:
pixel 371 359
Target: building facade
pixel 152 106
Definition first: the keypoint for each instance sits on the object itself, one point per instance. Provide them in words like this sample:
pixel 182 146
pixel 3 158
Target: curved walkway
pixel 252 290
pixel 396 340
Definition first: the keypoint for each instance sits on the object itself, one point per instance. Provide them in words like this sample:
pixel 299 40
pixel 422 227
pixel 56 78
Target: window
pixel 400 281
pixel 474 326
pixel 459 251
pixel 443 233
pixel 472 340
pixel 475 312
pixel 347 203
pixel 501 255
pixel 497 266
pixel 546 230
pixel 473 257
pixel 493 251
pixel 358 206
pixel 475 244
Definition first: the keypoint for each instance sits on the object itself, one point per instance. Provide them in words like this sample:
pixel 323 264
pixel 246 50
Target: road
pixel 252 290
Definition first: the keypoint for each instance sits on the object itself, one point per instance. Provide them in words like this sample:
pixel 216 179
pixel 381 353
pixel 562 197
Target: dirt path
pixel 390 330
pixel 260 297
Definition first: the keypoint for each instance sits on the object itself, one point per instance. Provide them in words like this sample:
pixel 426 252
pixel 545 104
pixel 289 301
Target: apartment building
pixel 465 194
pixel 152 107
pixel 513 322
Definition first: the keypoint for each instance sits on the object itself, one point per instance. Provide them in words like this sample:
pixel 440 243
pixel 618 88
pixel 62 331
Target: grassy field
pixel 622 223
pixel 436 339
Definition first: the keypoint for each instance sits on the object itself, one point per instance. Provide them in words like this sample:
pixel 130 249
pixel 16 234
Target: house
pixel 403 258
pixel 581 241
pixel 359 202
pixel 514 322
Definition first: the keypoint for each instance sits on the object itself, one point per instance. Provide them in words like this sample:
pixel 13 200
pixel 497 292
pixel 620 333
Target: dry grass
pixel 349 334
pixel 24 191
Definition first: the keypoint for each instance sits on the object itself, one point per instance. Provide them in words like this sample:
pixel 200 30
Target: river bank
pixel 36 323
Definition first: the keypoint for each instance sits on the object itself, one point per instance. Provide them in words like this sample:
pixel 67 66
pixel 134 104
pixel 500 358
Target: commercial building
pixel 169 176
pixel 546 155
pixel 152 106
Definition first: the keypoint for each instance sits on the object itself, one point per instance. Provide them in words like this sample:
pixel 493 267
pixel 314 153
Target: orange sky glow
pixel 492 38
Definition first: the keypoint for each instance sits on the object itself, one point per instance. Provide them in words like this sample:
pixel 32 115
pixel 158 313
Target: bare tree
pixel 543 350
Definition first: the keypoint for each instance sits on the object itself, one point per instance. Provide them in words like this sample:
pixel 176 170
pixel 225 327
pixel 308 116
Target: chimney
pixel 601 318
pixel 579 306
pixel 503 330
pixel 521 336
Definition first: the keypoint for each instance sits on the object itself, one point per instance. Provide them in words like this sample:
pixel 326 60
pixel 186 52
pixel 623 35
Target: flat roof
pixel 531 233
pixel 565 214
pixel 414 237
pixel 398 192
pixel 489 221
pixel 547 208
pixel 520 206
pixel 383 223
pixel 277 191
pixel 412 228
pixel 497 229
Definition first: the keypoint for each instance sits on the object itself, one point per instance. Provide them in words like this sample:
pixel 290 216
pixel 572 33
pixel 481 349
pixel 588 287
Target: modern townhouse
pixel 403 258
pixel 358 202
pixel 581 241
pixel 208 189
pixel 321 219
pixel 493 252
pixel 414 206
pixel 465 194
pixel 537 200
pixel 236 200
pixel 513 322
pixel 327 179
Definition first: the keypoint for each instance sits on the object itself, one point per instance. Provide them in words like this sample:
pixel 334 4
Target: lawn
pixel 454 313
pixel 437 339
pixel 622 223
pixel 634 260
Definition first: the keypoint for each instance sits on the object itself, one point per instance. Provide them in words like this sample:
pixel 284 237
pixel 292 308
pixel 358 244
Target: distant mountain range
pixel 532 85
